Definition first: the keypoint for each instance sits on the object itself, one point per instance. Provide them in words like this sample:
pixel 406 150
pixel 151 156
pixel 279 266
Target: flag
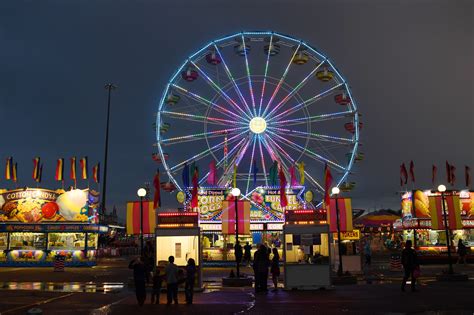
pixel 36 166
pixel 327 184
pixel 8 168
pixel 436 213
pixel 345 214
pixel 453 174
pixel 293 181
pixel 212 178
pixel 96 173
pixel 283 199
pixel 301 171
pixel 403 174
pixel 194 192
pixel 83 164
pixel 185 176
pixel 255 171
pixel 156 184
pixel 72 173
pixel 133 218
pixel 467 176
pixel 228 217
pixel 59 170
pixel 434 171
pixel 453 204
pixel 234 176
pixel 273 173
pixel 14 169
pixel 40 174
pixel 412 171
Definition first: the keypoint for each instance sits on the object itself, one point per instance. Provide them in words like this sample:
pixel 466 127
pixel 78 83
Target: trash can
pixel 58 263
pixel 395 262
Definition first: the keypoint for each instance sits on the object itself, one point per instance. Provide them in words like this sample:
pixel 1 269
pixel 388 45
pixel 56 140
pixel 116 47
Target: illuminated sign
pixel 353 235
pixel 176 219
pixel 313 216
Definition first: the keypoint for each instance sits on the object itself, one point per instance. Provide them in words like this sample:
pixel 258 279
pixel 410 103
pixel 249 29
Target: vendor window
pixel 27 240
pixel 66 241
pixel 307 249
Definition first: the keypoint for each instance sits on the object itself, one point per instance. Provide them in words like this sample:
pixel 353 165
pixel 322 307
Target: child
pixel 157 280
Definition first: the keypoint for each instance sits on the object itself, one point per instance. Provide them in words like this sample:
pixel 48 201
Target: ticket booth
pixel 306 250
pixel 177 234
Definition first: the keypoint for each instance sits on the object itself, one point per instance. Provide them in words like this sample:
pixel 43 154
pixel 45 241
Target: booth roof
pixel 378 218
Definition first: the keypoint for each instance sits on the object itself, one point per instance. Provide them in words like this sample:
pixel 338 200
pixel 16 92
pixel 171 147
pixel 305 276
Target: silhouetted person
pixel 247 253
pixel 260 267
pixel 368 254
pixel 409 262
pixel 148 259
pixel 275 268
pixel 238 252
pixel 190 278
pixel 171 272
pixel 139 277
pixel 157 281
pixel 462 252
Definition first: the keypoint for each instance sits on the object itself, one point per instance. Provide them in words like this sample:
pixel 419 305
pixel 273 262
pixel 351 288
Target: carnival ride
pixel 253 99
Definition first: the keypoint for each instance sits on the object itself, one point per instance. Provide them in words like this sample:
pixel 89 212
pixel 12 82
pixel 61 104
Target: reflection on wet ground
pixel 106 287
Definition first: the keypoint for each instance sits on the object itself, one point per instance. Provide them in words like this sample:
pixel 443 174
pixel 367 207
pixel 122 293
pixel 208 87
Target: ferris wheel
pixel 249 100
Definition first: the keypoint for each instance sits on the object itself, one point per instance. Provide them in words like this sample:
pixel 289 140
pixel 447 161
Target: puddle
pixel 106 287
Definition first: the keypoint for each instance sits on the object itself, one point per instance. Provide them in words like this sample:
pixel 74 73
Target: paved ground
pixel 104 290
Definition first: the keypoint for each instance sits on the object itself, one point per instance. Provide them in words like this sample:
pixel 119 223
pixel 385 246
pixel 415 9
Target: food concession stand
pixel 306 251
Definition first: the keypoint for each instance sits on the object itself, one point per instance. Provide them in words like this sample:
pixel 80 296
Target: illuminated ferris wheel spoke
pixel 249 78
pixel 201 136
pixel 280 158
pixel 313 119
pixel 311 135
pixel 305 103
pixel 310 153
pixel 281 80
pixel 219 90
pixel 206 102
pixel 206 152
pixel 251 163
pixel 262 160
pixel 221 161
pixel 265 77
pixel 198 118
pixel 238 158
pixel 295 90
pixel 231 78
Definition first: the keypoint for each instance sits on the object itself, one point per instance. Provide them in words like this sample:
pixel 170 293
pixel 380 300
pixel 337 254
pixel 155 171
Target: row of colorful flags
pixel 450 174
pixel 11 170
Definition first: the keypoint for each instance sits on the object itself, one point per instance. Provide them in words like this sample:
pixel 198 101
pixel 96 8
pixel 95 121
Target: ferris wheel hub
pixel 258 125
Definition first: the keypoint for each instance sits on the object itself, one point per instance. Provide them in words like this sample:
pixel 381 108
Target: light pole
pixel 109 87
pixel 236 193
pixel 442 189
pixel 141 193
pixel 335 191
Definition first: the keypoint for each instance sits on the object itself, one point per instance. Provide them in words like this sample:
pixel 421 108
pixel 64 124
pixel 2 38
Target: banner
pixel 229 219
pixel 345 214
pixel 453 206
pixel 134 218
pixel 436 211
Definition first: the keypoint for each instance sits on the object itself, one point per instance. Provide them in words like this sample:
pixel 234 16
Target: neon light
pixel 265 78
pixel 248 76
pixel 198 135
pixel 263 160
pixel 251 163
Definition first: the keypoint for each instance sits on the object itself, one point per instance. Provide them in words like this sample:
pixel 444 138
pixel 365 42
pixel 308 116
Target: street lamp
pixel 141 193
pixel 236 193
pixel 442 190
pixel 110 87
pixel 335 191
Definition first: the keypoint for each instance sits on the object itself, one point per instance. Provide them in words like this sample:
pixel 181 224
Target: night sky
pixel 409 64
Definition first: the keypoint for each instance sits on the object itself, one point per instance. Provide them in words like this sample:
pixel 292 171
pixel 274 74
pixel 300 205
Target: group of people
pixel 261 265
pixel 172 275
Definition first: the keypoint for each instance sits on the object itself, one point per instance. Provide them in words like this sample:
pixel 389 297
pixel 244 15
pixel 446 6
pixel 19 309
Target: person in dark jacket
pixel 409 262
pixel 238 252
pixel 247 253
pixel 260 267
pixel 190 278
pixel 139 277
pixel 462 252
pixel 275 268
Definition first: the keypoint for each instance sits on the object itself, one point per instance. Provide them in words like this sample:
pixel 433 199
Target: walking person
pixel 462 252
pixel 260 267
pixel 171 272
pixel 139 277
pixel 190 278
pixel 247 253
pixel 275 268
pixel 238 252
pixel 157 281
pixel 410 263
